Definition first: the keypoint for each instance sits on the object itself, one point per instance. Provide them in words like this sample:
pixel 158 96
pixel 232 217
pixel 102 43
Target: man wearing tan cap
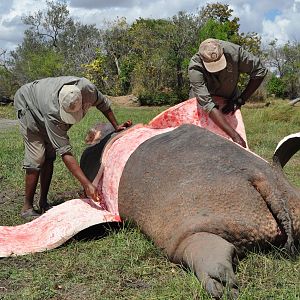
pixel 214 72
pixel 46 110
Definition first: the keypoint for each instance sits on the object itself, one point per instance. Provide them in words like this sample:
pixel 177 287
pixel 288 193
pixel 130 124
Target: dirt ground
pixel 6 123
pixel 128 100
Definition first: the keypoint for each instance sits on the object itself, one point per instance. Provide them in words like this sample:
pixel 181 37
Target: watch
pixel 239 101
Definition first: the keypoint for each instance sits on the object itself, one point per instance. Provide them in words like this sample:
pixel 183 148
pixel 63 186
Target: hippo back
pixel 191 180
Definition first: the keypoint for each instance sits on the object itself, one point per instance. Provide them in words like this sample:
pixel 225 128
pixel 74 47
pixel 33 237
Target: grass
pixel 109 263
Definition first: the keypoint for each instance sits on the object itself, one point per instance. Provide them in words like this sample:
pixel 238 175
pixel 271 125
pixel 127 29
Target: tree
pixel 161 52
pixel 96 73
pixel 284 61
pixel 220 13
pixel 8 83
pixel 292 68
pixel 48 24
pixel 182 36
pixel 117 47
pixel 40 64
pixel 58 37
pixel 214 29
pixel 276 86
pixel 33 60
pixel 78 44
pixel 153 74
pixel 219 23
pixel 275 58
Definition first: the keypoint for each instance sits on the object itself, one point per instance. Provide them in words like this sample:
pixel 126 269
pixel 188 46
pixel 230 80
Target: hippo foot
pixel 211 258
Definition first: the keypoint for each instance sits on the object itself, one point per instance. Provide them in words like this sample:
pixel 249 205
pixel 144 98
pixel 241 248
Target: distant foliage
pixel 95 71
pixel 54 44
pixel 284 60
pixel 8 83
pixel 277 87
pixel 218 22
pixel 41 64
pixel 148 58
pixel 158 98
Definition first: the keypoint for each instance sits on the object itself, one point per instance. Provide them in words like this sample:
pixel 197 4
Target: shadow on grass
pixel 98 231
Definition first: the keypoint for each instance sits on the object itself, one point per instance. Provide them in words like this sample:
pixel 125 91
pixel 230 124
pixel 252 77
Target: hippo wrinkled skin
pixel 205 200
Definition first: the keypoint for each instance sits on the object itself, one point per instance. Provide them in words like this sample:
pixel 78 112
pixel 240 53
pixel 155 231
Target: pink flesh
pixel 53 228
pixel 62 222
pixel 189 112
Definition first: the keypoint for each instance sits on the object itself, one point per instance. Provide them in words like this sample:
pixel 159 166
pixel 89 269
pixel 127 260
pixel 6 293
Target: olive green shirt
pixel 38 102
pixel 204 85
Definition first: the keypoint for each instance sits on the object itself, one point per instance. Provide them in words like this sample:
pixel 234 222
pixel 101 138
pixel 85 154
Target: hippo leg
pixel 211 258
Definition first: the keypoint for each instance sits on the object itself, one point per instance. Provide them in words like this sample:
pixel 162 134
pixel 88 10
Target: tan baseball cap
pixel 212 55
pixel 70 104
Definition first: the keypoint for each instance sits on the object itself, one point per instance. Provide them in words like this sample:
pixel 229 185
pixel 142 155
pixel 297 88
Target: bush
pixel 157 99
pixel 276 86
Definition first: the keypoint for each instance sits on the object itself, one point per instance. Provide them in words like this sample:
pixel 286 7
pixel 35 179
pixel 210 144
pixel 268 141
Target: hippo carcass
pixel 205 200
pixel 200 197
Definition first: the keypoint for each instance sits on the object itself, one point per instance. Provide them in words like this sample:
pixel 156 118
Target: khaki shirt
pixel 204 85
pixel 38 102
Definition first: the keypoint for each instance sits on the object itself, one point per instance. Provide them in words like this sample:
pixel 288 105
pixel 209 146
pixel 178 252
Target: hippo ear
pixel 98 132
pixel 286 148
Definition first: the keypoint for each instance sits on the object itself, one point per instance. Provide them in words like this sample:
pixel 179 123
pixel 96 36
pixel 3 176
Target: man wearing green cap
pixel 46 110
pixel 214 72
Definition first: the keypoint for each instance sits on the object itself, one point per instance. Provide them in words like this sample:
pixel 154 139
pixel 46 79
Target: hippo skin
pixel 204 200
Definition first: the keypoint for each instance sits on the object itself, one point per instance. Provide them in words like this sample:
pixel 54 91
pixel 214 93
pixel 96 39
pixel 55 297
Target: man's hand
pixel 228 108
pixel 238 103
pixel 232 106
pixel 124 125
pixel 92 192
pixel 220 121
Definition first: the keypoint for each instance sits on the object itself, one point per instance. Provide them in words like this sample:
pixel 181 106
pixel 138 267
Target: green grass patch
pixel 7 112
pixel 124 264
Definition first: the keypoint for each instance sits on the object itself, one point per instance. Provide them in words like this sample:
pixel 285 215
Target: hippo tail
pixel 278 206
